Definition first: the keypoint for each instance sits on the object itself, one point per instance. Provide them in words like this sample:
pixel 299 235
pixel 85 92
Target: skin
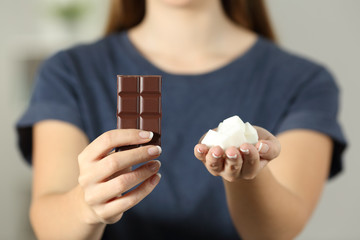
pixel 78 186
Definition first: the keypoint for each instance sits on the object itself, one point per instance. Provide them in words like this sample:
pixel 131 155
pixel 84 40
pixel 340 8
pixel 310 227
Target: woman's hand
pixel 239 163
pixel 105 177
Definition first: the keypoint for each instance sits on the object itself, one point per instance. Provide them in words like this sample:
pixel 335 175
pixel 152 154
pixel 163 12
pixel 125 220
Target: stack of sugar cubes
pixel 231 132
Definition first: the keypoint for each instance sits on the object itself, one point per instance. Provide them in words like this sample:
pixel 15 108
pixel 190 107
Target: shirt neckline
pixel 141 60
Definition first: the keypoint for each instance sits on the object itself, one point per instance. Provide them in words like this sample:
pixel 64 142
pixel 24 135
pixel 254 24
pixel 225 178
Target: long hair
pixel 250 14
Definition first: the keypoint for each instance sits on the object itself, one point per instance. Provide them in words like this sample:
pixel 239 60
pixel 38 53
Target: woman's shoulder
pixel 287 67
pixel 90 50
pixel 101 53
pixel 283 59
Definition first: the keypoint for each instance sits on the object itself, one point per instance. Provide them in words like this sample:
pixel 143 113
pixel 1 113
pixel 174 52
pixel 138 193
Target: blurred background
pixel 327 31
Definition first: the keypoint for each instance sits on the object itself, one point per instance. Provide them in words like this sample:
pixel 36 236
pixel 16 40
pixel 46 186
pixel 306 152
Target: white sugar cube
pixel 234 138
pixel 251 134
pixel 213 138
pixel 231 132
pixel 231 124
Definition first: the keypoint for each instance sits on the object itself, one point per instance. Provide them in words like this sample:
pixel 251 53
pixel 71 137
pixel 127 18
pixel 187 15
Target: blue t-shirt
pixel 266 86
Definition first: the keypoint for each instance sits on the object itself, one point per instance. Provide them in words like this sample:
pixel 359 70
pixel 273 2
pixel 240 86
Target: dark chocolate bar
pixel 139 105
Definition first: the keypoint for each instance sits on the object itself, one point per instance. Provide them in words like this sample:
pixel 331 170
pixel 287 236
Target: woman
pixel 217 60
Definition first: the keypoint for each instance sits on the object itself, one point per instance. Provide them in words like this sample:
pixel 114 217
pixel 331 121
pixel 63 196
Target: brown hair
pixel 251 14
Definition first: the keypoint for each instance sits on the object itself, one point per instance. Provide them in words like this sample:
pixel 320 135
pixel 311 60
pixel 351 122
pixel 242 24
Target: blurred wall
pixel 323 30
pixel 15 176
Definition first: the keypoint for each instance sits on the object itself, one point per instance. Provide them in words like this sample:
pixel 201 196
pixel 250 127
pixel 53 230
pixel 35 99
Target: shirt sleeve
pixel 315 107
pixel 54 97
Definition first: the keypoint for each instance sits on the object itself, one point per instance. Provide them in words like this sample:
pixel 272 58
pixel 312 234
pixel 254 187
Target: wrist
pixel 85 214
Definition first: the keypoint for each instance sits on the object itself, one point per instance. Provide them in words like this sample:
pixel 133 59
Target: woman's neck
pixel 190 33
pixel 197 25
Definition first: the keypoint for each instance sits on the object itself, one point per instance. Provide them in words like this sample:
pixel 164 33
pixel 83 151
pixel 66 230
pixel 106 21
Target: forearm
pixel 63 216
pixel 264 209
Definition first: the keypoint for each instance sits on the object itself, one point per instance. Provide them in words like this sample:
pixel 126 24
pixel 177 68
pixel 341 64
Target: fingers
pixel 118 161
pixel 100 147
pixel 215 160
pixel 105 191
pixel 251 165
pixel 268 149
pixel 269 146
pixel 112 211
pixel 233 165
pixel 200 152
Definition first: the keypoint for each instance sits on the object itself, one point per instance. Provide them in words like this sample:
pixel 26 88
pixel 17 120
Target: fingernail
pixel 146 134
pixel 263 148
pixel 231 157
pixel 215 156
pixel 155 179
pixel 154 150
pixel 154 166
pixel 245 151
pixel 199 151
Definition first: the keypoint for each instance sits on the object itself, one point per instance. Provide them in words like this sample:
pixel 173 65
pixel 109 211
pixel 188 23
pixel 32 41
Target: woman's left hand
pixel 240 163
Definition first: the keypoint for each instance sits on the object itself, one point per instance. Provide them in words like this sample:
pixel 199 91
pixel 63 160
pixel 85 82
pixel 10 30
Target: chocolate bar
pixel 139 105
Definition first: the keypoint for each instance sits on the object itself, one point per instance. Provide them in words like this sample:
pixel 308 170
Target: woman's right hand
pixel 105 176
